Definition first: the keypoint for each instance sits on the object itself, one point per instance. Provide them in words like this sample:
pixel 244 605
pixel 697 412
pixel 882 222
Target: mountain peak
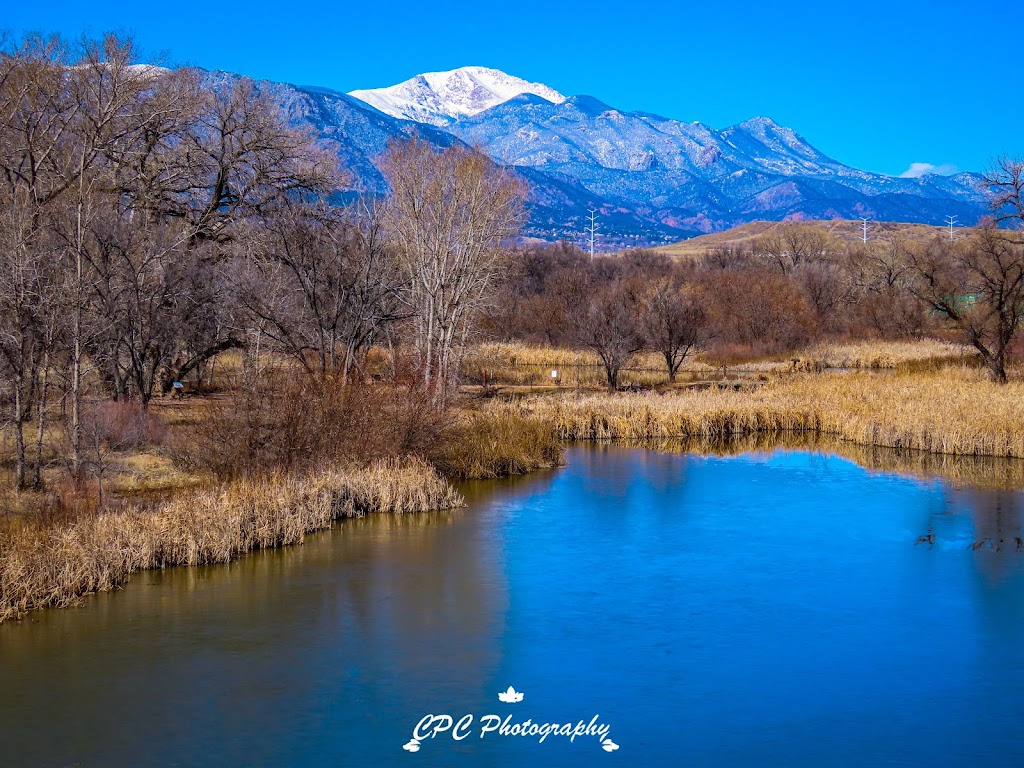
pixel 760 125
pixel 441 98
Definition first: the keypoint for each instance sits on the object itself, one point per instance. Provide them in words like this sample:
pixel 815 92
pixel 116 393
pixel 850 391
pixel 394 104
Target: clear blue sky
pixel 877 85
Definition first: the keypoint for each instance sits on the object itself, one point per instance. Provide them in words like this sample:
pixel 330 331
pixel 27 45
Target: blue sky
pixel 878 85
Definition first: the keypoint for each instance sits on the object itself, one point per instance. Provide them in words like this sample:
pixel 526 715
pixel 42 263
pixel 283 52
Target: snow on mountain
pixel 692 176
pixel 440 98
pixel 653 179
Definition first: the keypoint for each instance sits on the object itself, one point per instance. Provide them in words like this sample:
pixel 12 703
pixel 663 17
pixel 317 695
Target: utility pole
pixel 593 230
pixel 865 221
pixel 951 220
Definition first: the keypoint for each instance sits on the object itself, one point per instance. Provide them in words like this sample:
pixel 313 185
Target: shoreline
pixel 916 424
pixel 954 412
pixel 55 565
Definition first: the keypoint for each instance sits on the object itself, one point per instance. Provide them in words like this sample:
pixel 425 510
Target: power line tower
pixel 864 224
pixel 593 230
pixel 951 221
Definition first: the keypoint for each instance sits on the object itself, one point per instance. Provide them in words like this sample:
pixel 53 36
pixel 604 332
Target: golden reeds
pixel 885 354
pixel 517 364
pixel 956 411
pixel 54 565
pixel 498 444
pixel 514 364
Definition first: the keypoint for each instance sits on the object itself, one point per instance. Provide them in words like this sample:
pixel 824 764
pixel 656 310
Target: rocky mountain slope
pixel 652 179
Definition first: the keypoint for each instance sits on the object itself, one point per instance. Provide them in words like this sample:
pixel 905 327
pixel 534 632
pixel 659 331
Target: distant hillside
pixel 841 229
pixel 651 180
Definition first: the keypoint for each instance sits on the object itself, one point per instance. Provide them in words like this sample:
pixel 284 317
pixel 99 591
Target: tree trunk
pixel 19 434
pixel 76 351
pixel 37 471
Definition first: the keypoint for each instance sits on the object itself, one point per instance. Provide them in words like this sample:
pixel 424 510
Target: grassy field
pixel 841 229
pixel 523 365
pixel 894 355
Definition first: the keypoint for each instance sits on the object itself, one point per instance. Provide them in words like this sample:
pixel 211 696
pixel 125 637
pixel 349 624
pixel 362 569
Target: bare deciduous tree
pixel 674 321
pixel 790 244
pixel 324 285
pixel 609 325
pixel 1005 182
pixel 448 214
pixel 977 285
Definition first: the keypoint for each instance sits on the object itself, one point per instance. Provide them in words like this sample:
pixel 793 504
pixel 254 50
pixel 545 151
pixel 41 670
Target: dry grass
pixel 841 230
pixel 527 365
pixel 886 354
pixel 498 444
pixel 55 564
pixel 524 365
pixel 955 411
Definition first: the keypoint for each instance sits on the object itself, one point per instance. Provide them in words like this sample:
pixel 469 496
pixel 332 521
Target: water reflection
pixel 329 633
pixel 973 471
pixel 767 607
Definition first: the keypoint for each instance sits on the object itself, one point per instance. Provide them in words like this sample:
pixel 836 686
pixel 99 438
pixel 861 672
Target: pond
pixel 772 608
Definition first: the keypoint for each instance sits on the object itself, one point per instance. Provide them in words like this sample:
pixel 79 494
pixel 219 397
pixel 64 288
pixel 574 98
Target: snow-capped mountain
pixel 440 98
pixel 359 135
pixel 691 176
pixel 653 179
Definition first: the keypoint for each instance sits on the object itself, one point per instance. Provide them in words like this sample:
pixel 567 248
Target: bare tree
pixel 107 428
pixel 324 285
pixel 242 160
pixel 674 321
pixel 791 244
pixel 880 278
pixel 977 285
pixel 57 113
pixel 609 325
pixel 30 322
pixel 122 187
pixel 448 215
pixel 1005 183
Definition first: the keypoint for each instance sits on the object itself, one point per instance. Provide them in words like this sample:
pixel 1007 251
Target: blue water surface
pixel 767 609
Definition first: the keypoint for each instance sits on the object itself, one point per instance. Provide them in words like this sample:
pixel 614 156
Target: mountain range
pixel 652 179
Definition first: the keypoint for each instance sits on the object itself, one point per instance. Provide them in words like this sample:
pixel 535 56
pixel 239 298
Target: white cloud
pixel 916 170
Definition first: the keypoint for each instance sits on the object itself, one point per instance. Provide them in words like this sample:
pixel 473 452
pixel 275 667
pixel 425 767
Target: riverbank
pixel 55 562
pixel 53 565
pixel 953 411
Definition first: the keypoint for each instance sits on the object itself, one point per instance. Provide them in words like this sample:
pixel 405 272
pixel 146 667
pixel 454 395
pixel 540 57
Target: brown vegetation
pixel 955 411
pixel 55 564
pixel 497 444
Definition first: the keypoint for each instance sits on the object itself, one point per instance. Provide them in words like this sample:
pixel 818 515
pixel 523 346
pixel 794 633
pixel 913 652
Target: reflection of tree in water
pixel 983 510
pixel 977 518
pixel 410 578
pixel 976 471
pixel 997 515
pixel 430 591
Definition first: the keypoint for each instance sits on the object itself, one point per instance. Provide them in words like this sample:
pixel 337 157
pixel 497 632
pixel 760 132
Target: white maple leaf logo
pixel 511 696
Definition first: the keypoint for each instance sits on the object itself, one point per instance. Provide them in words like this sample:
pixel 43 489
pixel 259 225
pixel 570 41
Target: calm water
pixel 768 609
